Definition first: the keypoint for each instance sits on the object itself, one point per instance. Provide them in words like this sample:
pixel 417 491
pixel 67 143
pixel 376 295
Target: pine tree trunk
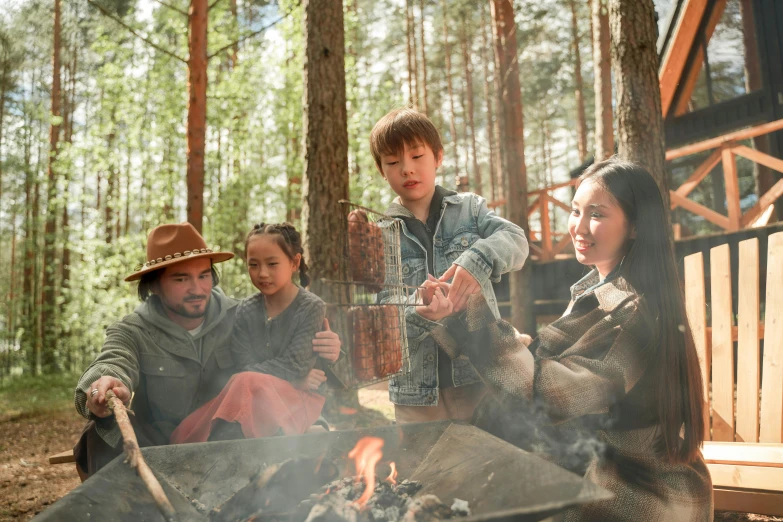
pixel 409 52
pixel 111 177
pixel 3 89
pixel 197 110
pixel 488 95
pixel 414 54
pixel 11 312
pixel 635 64
pixel 326 137
pixel 581 120
pixel 48 322
pixel 452 115
pixel 602 71
pixel 512 143
pixel 468 66
pixel 325 129
pixel 424 102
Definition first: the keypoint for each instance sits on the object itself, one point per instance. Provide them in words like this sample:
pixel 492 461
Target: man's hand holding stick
pixel 135 458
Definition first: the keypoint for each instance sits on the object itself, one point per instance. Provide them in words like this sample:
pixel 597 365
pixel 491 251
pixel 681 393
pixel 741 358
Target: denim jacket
pixel 473 237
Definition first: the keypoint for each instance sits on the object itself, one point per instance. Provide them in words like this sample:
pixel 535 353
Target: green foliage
pixel 26 395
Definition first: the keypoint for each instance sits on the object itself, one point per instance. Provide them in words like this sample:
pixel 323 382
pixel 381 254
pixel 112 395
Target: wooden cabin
pixel 721 76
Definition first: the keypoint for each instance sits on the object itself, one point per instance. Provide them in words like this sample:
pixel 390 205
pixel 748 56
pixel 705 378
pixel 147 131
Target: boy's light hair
pixel 403 127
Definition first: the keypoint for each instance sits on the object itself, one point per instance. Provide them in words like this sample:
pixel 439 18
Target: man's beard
pixel 181 309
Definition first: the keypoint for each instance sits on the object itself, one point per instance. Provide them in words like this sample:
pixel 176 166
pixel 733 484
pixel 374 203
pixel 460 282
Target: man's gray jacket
pixel 170 371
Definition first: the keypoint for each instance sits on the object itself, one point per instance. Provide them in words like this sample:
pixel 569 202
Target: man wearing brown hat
pixel 172 354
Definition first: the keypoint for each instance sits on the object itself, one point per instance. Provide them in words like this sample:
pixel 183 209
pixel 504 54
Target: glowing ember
pixel 393 475
pixel 366 454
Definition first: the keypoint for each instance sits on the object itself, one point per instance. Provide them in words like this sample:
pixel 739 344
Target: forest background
pixel 121 157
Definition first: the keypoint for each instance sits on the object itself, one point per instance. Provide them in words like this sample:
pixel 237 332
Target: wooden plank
pixel 744 134
pixel 732 188
pixel 698 175
pixel 722 346
pixel 676 55
pixel 556 186
pixel 765 201
pixel 749 501
pixel 532 207
pixel 772 372
pixel 62 458
pixel 748 362
pixel 695 306
pixel 763 218
pixel 700 210
pixel 692 74
pixel 743 454
pixel 752 477
pixel 735 333
pixel 758 157
pixel 560 245
pixel 560 204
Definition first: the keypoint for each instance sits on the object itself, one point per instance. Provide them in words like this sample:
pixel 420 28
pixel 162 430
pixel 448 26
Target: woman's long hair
pixel 649 267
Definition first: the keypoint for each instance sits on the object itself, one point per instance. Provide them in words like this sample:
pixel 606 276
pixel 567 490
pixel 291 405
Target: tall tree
pixel 602 71
pixel 325 136
pixel 325 131
pixel 424 102
pixel 410 31
pixel 468 80
pixel 581 120
pixel 489 94
pixel 512 143
pixel 635 65
pixel 450 90
pixel 48 355
pixel 197 109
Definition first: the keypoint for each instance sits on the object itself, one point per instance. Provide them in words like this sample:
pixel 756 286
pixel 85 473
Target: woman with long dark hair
pixel 617 378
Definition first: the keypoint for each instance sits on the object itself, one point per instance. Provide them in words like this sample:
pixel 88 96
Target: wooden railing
pixel 539 200
pixel 726 151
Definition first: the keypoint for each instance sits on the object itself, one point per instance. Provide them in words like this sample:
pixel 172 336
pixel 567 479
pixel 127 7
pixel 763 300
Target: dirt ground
pixel 28 483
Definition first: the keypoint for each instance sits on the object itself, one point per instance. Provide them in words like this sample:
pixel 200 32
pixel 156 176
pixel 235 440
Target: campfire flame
pixel 366 454
pixel 393 475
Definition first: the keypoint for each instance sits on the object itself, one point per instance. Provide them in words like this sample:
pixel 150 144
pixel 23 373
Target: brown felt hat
pixel 171 244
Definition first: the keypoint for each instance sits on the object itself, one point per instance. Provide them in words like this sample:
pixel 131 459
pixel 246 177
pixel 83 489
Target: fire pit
pixel 450 460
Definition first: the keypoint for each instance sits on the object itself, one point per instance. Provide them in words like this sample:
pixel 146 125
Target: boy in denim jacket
pixel 446 236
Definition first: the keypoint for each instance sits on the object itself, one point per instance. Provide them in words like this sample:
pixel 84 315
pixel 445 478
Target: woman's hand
pixel 523 338
pixel 96 395
pixel 439 305
pixel 327 343
pixel 312 381
pixel 463 286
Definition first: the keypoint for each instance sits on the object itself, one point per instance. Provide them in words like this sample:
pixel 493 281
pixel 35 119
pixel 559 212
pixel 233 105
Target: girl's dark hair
pixel 650 269
pixel 289 240
pixel 148 280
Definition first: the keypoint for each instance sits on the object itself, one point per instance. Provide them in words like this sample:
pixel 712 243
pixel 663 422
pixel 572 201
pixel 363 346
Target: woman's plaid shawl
pixel 581 395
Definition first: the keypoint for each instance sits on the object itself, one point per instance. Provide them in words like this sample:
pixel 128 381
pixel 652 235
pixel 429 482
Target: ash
pixel 389 503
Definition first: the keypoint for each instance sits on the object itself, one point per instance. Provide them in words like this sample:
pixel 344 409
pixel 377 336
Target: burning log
pixel 287 492
pixel 275 490
pixel 135 459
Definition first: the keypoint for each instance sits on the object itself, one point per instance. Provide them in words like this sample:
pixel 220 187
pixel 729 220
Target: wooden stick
pixel 135 458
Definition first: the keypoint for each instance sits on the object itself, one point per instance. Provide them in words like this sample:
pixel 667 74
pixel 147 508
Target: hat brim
pixel 217 257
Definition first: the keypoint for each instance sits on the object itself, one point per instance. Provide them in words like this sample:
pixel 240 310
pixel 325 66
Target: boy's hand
pixel 439 305
pixel 463 286
pixel 428 290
